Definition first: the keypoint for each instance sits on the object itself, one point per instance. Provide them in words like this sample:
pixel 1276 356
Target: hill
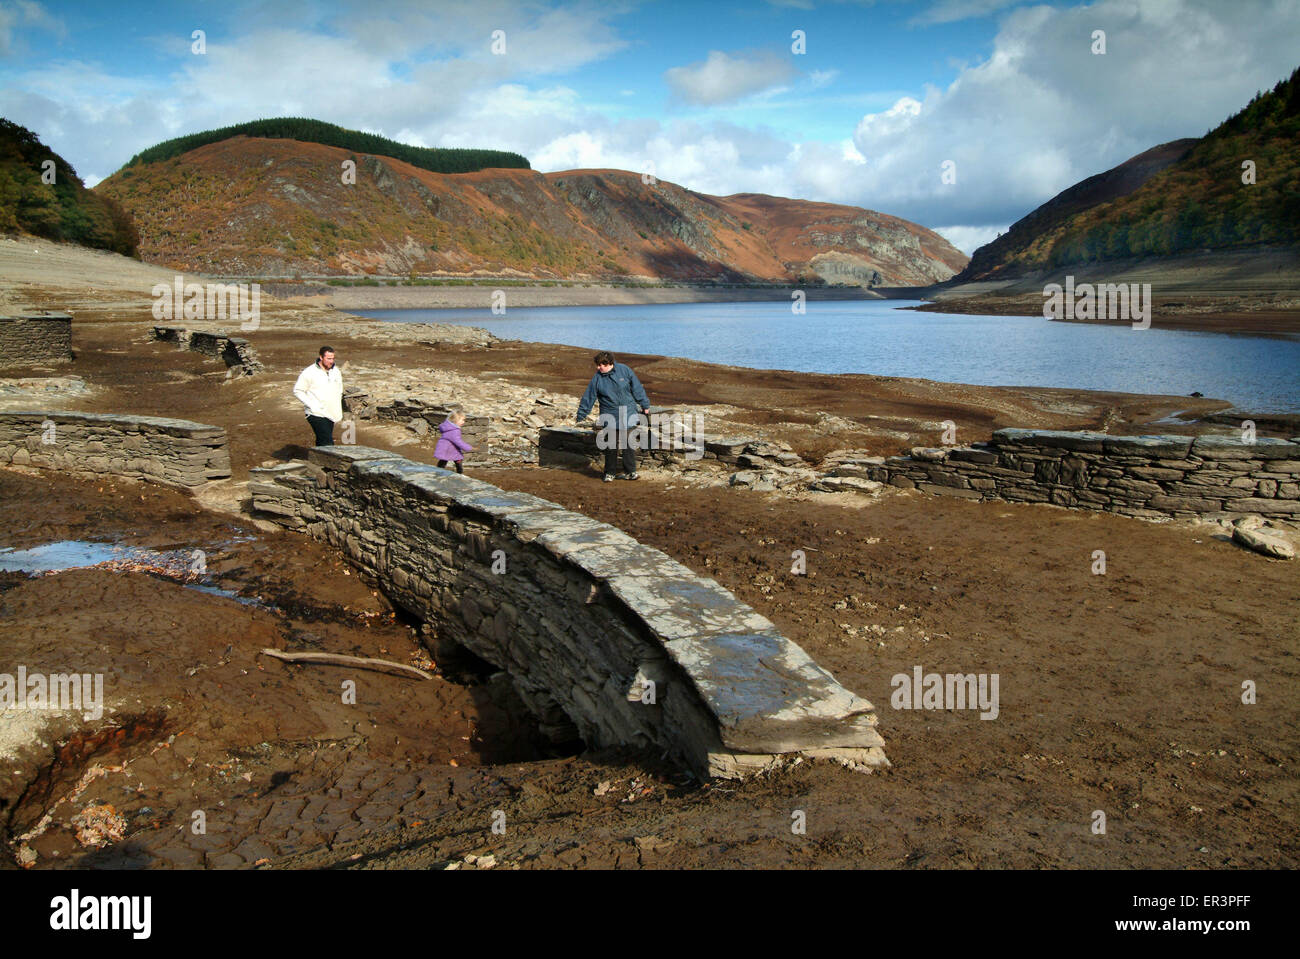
pixel 61 210
pixel 436 159
pixel 1016 248
pixel 1183 197
pixel 248 205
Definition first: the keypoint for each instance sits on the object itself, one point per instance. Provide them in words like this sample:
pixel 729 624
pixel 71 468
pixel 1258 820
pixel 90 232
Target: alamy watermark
pixel 75 912
pixel 208 301
pixel 79 692
pixel 1105 301
pixel 923 690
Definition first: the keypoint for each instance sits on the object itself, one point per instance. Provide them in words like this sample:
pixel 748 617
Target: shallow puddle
pixel 177 565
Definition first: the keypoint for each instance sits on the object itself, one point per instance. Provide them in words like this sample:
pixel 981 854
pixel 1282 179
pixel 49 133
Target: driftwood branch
pixel 338 659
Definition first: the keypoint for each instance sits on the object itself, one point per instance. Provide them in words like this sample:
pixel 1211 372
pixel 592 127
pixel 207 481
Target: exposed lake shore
pixel 1263 314
pixel 1206 314
pixel 1251 292
pixel 360 298
pixel 895 579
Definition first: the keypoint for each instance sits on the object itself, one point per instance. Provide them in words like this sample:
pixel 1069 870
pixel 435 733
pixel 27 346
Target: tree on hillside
pixel 437 160
pixel 63 210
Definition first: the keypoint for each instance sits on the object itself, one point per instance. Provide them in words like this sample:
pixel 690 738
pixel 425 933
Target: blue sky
pixel 1010 96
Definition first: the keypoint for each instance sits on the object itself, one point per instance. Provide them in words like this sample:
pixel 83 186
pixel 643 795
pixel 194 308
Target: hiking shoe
pixel 627 476
pixel 609 477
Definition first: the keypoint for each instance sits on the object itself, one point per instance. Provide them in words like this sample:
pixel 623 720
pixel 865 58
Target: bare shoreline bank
pixel 1254 292
pixel 891 412
pixel 481 297
pixel 896 578
pixel 1200 316
pixel 1209 314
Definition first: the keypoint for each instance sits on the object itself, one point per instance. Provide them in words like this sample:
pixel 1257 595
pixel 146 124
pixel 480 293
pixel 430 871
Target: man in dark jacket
pixel 620 394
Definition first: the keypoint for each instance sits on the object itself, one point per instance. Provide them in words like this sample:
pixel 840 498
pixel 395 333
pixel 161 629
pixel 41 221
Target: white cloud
pixel 1036 115
pixel 25 14
pixel 722 78
pixel 380 78
pixel 950 11
pixel 1042 112
pixel 968 239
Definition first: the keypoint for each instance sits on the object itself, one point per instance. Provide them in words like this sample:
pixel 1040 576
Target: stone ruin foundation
pixel 32 339
pixel 236 352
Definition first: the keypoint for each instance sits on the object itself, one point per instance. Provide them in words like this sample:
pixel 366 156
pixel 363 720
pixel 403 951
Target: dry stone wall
pixel 235 351
pixel 573 447
pixel 584 619
pixel 665 439
pixel 176 453
pixel 34 338
pixel 1147 476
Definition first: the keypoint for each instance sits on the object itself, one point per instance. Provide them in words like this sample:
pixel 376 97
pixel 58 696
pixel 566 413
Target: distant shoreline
pixel 469 297
pixel 1270 323
pixel 1280 324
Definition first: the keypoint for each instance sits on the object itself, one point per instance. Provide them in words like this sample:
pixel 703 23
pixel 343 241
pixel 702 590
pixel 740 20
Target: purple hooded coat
pixel 450 445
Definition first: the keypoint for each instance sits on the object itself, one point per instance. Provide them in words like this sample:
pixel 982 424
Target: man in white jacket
pixel 320 388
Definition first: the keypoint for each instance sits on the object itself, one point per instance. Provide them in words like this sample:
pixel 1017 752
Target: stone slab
pixel 1081 441
pixel 1232 448
pixel 770 696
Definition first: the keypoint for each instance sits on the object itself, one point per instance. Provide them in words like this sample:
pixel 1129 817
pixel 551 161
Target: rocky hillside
pixel 274 206
pixel 61 210
pixel 1188 196
pixel 1016 249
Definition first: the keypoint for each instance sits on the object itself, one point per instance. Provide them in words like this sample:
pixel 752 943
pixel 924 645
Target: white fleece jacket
pixel 321 392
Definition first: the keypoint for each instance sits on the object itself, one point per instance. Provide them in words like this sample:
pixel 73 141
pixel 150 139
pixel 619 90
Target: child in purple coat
pixel 451 448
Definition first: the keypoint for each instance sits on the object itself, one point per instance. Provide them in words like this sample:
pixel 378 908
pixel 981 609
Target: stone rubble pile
pixel 770 465
pixel 25 392
pixel 501 419
pixel 1250 532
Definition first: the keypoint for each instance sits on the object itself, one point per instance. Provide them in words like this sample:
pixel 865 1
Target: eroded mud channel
pixel 200 751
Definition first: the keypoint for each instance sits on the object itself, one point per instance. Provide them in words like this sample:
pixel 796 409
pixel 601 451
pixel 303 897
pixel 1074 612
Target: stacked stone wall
pixel 176 453
pixel 580 615
pixel 1146 476
pixel 663 443
pixel 34 338
pixel 235 351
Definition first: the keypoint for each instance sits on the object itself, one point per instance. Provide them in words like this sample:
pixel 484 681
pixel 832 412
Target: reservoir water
pixel 1258 374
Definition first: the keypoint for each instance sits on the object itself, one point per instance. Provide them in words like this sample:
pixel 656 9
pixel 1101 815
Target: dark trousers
pixel 628 455
pixel 323 427
pixel 442 464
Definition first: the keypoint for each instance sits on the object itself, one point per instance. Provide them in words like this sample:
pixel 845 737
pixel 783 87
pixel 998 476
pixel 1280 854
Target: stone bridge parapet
pixel 594 629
